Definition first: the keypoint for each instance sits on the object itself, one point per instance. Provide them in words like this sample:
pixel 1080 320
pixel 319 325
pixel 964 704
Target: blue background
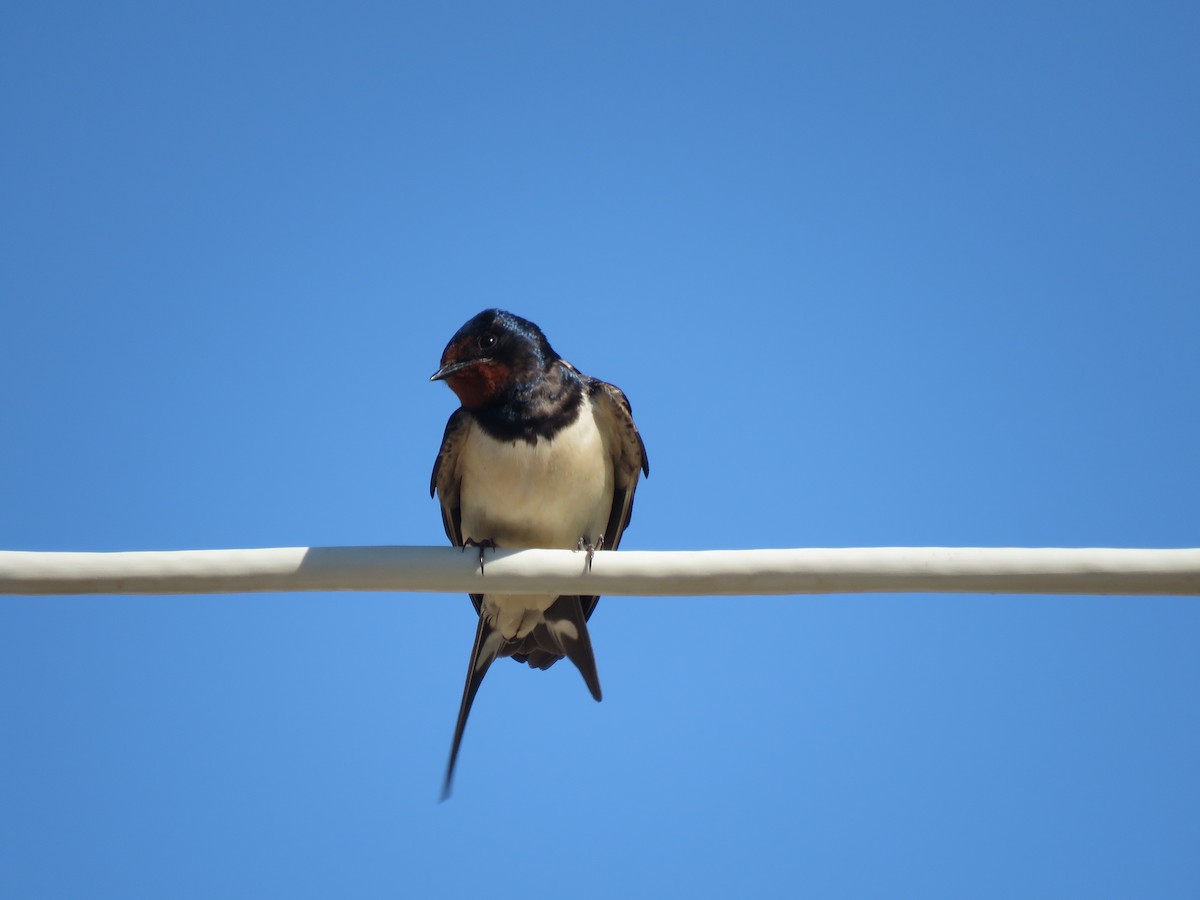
pixel 870 273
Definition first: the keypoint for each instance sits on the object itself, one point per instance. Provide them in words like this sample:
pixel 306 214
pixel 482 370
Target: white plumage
pixel 548 495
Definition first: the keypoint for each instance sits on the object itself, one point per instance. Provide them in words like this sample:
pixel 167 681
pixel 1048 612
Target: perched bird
pixel 538 455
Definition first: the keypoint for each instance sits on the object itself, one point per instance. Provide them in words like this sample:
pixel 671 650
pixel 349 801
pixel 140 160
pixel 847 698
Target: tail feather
pixel 488 644
pixel 565 630
pixel 562 632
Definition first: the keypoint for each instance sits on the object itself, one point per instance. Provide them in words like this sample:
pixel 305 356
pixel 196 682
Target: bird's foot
pixel 585 544
pixel 482 545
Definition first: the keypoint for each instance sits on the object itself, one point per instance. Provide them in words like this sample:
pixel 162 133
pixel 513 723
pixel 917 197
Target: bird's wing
pixel 615 418
pixel 446 482
pixel 446 479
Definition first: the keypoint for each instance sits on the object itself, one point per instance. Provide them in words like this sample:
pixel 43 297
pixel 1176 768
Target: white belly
pixel 547 495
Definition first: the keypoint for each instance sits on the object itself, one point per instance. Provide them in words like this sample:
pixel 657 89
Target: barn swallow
pixel 538 455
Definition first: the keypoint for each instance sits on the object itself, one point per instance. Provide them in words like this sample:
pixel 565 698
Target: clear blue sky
pixel 870 273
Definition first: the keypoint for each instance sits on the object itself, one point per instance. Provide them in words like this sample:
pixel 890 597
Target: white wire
pixel 628 572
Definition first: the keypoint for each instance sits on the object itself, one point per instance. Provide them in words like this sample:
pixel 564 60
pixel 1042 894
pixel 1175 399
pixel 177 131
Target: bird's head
pixel 494 353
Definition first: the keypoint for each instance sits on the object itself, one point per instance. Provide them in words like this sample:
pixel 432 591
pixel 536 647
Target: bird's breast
pixel 548 494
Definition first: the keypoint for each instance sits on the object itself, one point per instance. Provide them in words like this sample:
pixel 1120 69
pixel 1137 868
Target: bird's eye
pixel 487 341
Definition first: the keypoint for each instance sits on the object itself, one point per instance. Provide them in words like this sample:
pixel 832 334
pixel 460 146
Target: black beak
pixel 450 368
